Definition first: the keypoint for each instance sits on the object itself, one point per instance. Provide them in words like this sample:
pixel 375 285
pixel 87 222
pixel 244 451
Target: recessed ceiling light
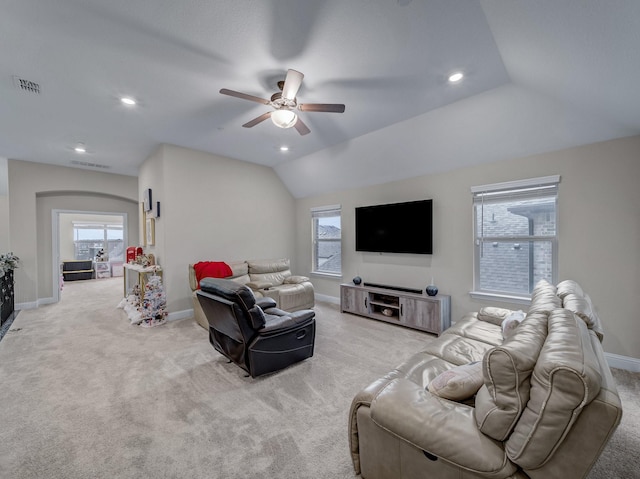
pixel 80 148
pixel 284 148
pixel 128 100
pixel 456 77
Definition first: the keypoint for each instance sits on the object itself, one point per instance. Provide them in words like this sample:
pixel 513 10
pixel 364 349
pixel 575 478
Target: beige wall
pixel 599 231
pixel 217 209
pixel 4 206
pixel 26 181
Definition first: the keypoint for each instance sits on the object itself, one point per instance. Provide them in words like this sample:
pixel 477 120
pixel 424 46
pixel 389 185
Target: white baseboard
pixel 29 305
pixel 623 362
pixel 43 301
pixel 327 299
pixel 184 314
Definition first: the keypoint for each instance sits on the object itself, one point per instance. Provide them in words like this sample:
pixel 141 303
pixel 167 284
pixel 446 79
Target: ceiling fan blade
pixel 330 107
pixel 301 127
pixel 260 119
pixel 292 84
pixel 244 96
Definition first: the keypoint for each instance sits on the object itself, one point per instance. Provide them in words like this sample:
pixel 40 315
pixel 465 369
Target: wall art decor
pixel 147 199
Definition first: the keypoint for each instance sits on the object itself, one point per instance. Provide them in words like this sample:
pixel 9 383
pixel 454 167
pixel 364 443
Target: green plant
pixel 8 262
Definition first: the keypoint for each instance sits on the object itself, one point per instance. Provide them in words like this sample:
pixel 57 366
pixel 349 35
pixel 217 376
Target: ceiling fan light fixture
pixel 456 77
pixel 128 101
pixel 284 118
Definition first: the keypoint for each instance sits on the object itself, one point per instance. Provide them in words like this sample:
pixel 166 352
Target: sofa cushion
pixel 568 286
pixel 493 315
pixel 544 302
pixel 543 287
pixel 507 369
pixel 566 378
pixel 273 271
pixel 458 383
pixel 260 266
pixel 291 297
pixel 239 271
pixel 511 322
pixel 259 284
pixel 296 279
pixel 544 298
pixel 470 327
pixel 239 274
pixel 581 306
pixel 211 269
pixel 458 350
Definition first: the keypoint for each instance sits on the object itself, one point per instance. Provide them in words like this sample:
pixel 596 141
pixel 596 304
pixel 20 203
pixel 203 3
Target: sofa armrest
pixel 278 320
pixel 259 284
pixel 193 282
pixel 440 427
pixel 295 280
pixel 266 303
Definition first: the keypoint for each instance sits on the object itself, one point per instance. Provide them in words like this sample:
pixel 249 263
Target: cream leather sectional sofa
pixel 267 278
pixel 546 406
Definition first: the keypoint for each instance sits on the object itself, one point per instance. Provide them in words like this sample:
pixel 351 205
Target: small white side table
pixel 141 274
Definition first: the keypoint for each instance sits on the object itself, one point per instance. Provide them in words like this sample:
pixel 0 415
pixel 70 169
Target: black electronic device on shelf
pixel 394 288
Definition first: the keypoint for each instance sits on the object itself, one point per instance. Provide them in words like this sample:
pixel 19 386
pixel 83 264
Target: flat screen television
pixel 395 228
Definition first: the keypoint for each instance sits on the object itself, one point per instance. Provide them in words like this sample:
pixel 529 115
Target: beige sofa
pixel 546 406
pixel 267 278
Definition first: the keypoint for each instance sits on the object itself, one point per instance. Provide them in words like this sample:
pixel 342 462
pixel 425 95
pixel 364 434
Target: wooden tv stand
pixel 417 311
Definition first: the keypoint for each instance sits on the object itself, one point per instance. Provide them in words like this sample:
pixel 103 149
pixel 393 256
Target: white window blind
pixel 515 235
pixel 327 240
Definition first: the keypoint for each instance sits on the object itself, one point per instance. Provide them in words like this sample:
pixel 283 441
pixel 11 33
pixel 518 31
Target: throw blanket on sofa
pixel 211 269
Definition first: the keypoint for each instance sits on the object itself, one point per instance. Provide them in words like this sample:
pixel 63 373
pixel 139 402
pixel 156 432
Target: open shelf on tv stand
pixel 397 305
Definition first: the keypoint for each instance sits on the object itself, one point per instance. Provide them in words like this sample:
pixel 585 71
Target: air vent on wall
pixel 90 165
pixel 25 85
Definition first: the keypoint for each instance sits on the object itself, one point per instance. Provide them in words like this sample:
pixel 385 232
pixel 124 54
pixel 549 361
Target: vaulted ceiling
pixel 539 76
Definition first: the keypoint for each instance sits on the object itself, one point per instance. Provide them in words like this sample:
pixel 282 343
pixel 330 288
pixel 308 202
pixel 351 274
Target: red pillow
pixel 211 269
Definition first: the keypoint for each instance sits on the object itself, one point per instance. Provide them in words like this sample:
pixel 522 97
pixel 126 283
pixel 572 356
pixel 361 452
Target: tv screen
pixel 395 228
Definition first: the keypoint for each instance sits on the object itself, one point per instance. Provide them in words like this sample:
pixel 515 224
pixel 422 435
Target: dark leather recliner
pixel 254 334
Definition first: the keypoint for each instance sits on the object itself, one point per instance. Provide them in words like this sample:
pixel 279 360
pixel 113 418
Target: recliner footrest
pixel 283 348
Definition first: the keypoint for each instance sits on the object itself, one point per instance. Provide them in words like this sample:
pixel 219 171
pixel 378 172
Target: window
pixel 89 238
pixel 515 236
pixel 327 240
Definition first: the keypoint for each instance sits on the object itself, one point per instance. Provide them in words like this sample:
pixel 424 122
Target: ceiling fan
pixel 285 103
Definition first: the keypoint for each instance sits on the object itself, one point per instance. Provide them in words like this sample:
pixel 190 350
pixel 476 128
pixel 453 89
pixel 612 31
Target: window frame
pixel 105 227
pixel 521 189
pixel 324 212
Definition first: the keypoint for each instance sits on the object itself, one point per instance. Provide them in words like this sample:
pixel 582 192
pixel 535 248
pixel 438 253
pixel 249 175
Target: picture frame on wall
pixel 143 223
pixel 155 210
pixel 147 199
pixel 150 232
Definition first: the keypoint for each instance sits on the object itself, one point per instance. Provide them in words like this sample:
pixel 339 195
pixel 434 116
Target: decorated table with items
pixel 144 299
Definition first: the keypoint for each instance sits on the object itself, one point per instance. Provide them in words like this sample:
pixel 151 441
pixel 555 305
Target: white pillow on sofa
pixel 458 383
pixel 511 322
pixel 493 315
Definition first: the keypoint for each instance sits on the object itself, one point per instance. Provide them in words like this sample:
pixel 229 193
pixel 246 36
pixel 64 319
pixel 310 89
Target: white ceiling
pixel 540 76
